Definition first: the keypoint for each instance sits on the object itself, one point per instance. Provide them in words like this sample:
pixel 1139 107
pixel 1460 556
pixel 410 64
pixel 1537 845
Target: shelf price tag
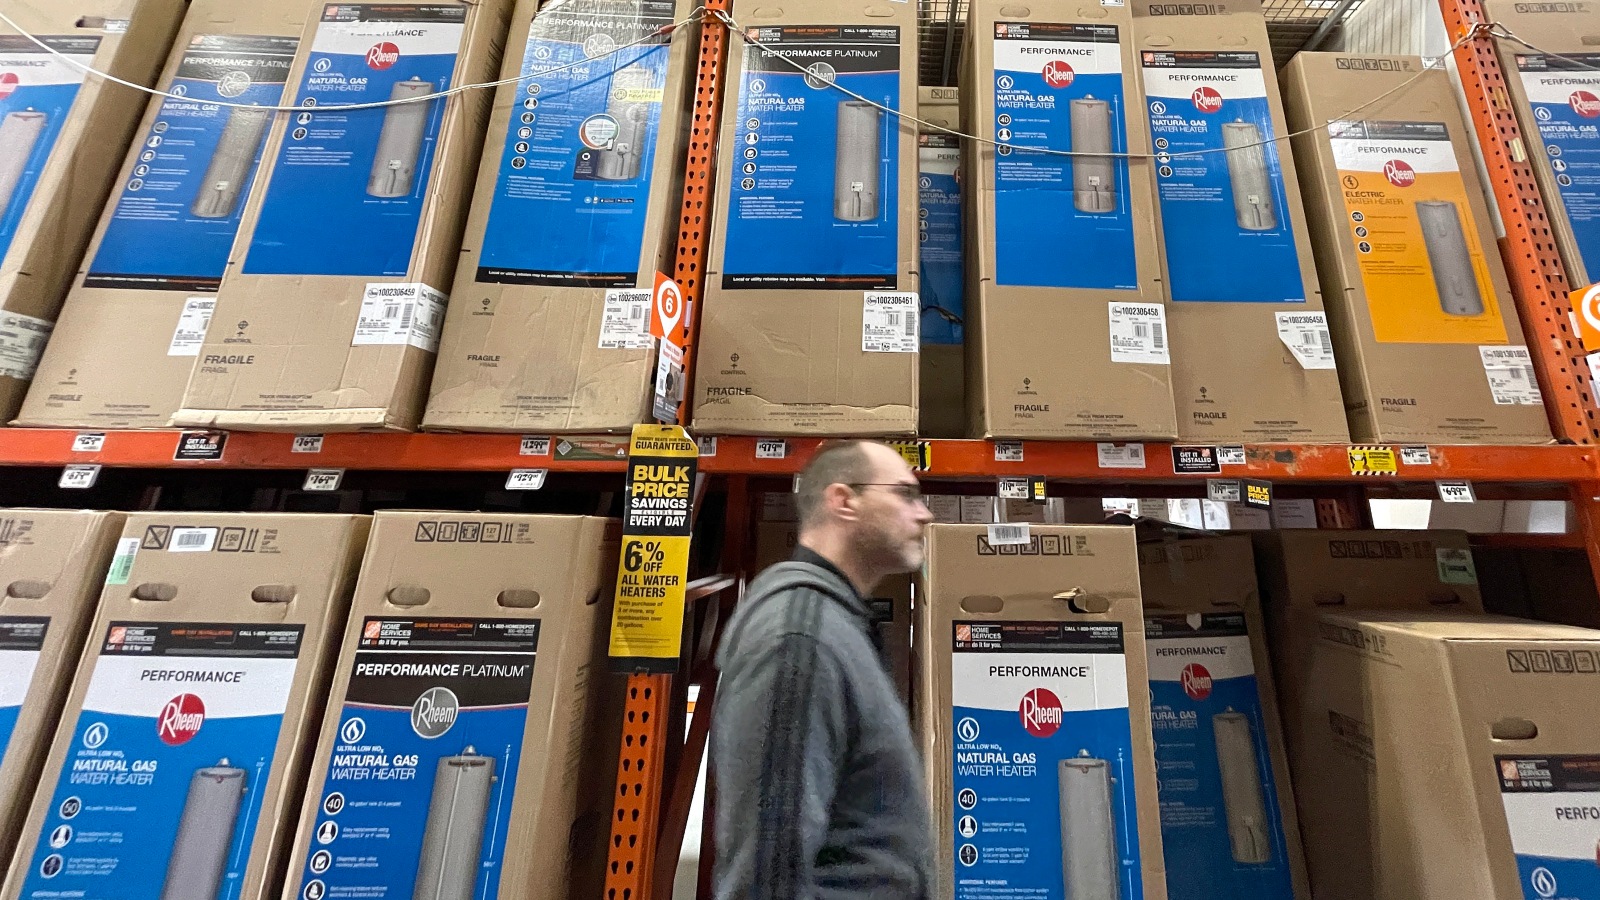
pixel 526 479
pixel 533 446
pixel 1224 490
pixel 1013 489
pixel 323 479
pixel 1456 492
pixel 772 448
pixel 1231 455
pixel 1416 456
pixel 306 443
pixel 1008 451
pixel 79 477
pixel 657 518
pixel 1120 456
pixel 88 442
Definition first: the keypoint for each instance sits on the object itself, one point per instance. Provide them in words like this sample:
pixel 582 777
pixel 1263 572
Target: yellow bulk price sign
pixel 647 617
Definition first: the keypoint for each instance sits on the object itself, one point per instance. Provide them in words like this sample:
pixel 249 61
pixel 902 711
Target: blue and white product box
pixel 37 90
pixel 816 186
pixel 425 761
pixel 21 640
pixel 1564 91
pixel 1045 804
pixel 1059 220
pixel 163 783
pixel 939 237
pixel 1552 806
pixel 347 188
pixel 1221 831
pixel 179 210
pixel 1220 184
pixel 574 184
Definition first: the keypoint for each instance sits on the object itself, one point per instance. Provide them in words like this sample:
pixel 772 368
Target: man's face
pixel 889 525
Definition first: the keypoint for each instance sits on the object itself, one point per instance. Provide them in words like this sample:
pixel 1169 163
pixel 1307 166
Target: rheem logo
pixel 1041 712
pixel 1399 173
pixel 1206 99
pixel 382 55
pixel 1058 74
pixel 9 82
pixel 180 720
pixel 1196 681
pixel 1584 104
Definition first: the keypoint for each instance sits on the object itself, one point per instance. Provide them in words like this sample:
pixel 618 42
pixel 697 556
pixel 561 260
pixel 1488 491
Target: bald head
pixel 860 506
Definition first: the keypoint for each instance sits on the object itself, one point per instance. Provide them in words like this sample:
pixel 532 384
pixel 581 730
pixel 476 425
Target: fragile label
pixel 625 320
pixel 889 322
pixel 22 340
pixel 400 314
pixel 192 325
pixel 1120 456
pixel 1139 333
pixel 1306 335
pixel 1511 378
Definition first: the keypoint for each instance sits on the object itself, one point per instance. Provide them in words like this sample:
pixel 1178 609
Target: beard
pixel 889 554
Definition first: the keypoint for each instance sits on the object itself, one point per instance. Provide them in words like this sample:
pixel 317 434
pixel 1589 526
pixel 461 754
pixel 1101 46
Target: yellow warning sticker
pixel 1373 461
pixel 647 618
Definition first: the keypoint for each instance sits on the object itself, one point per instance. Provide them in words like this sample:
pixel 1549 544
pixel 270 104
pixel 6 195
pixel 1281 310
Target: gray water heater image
pixel 1089 861
pixel 856 162
pixel 199 858
pixel 1094 180
pixel 1247 171
pixel 1243 797
pixel 394 165
pixel 1450 258
pixel 452 841
pixel 230 164
pixel 19 134
pixel 622 160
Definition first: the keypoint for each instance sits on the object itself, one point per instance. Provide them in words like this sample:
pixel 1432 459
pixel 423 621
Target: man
pixel 819 790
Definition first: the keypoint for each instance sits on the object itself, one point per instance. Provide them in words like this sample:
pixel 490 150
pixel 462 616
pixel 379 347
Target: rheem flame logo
pixel 1196 681
pixel 1206 99
pixel 1058 74
pixel 1041 712
pixel 1584 104
pixel 1399 173
pixel 382 55
pixel 180 720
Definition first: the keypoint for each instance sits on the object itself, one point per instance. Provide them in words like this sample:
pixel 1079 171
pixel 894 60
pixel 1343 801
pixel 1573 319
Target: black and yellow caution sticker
pixel 917 454
pixel 1373 461
pixel 647 618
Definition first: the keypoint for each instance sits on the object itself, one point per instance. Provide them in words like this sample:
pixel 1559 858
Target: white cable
pixel 349 107
pixel 1565 57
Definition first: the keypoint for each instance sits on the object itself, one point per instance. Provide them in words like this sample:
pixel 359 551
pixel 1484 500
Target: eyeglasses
pixel 910 493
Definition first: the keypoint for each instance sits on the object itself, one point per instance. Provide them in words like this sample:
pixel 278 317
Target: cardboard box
pixel 141 303
pixel 1033 714
pixel 181 755
pixel 891 602
pixel 1428 340
pixel 549 327
pixel 941 256
pixel 1447 757
pixel 336 294
pixel 1553 91
pixel 1227 823
pixel 64 133
pixel 810 294
pixel 1066 315
pixel 1250 356
pixel 51 565
pixel 471 708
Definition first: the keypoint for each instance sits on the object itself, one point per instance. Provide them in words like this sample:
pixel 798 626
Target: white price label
pixel 1008 451
pixel 1456 492
pixel 772 448
pixel 88 442
pixel 625 319
pixel 1224 490
pixel 1139 333
pixel 22 340
pixel 1511 378
pixel 323 479
pixel 1013 489
pixel 1306 335
pixel 889 322
pixel 1416 456
pixel 534 446
pixel 526 479
pixel 306 443
pixel 192 325
pixel 400 314
pixel 1009 534
pixel 1230 455
pixel 1120 456
pixel 79 477
pixel 707 445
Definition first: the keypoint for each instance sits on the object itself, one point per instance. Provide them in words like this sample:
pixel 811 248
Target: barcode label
pixel 1007 535
pixel 889 321
pixel 122 562
pixel 393 314
pixel 1511 378
pixel 1307 337
pixel 192 540
pixel 625 320
pixel 22 340
pixel 192 325
pixel 1139 333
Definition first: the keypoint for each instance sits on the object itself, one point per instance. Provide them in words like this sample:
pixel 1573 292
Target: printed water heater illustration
pixel 452 841
pixel 19 133
pixel 622 160
pixel 199 858
pixel 856 162
pixel 394 166
pixel 1243 797
pixel 1094 182
pixel 230 165
pixel 1089 860
pixel 1450 258
pixel 1247 170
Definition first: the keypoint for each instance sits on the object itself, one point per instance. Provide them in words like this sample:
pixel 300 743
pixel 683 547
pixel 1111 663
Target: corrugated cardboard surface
pixel 309 558
pixel 107 365
pixel 527 357
pixel 563 798
pixel 962 580
pixel 790 361
pixel 296 368
pixel 1039 359
pixel 1217 574
pixel 943 394
pixel 51 564
pixel 1233 379
pixel 1419 390
pixel 54 230
pixel 1398 780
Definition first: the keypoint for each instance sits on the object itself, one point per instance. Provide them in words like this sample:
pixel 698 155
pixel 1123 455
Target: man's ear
pixel 837 499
